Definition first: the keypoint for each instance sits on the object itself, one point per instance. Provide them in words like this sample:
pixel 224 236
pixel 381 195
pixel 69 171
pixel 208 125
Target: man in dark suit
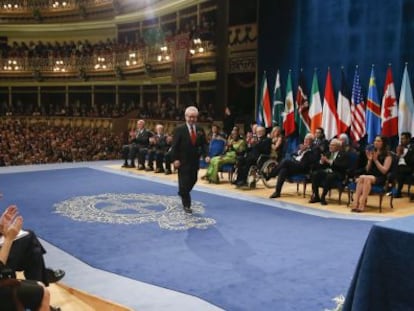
pixel 137 147
pixel 405 167
pixel 26 253
pixel 189 143
pixel 260 146
pixel 300 163
pixel 331 170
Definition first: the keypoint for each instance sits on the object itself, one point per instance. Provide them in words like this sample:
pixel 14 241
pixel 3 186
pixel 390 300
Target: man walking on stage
pixel 189 143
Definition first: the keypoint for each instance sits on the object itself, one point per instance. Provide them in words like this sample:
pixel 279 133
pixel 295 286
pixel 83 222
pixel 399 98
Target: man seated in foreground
pixel 331 170
pixel 18 294
pixel 26 253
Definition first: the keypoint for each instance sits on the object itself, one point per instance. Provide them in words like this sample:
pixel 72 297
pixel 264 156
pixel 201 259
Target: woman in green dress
pixel 235 146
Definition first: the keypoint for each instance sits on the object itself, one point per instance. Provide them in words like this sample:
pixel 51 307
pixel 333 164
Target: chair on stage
pixel 388 189
pixel 216 147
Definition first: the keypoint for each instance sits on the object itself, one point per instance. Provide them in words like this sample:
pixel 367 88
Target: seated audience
pixel 376 170
pixel 236 146
pixel 259 147
pixel 300 163
pixel 331 170
pixel 157 149
pixel 138 147
pixel 405 168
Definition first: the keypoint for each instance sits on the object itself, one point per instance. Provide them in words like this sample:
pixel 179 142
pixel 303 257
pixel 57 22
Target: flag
pixel 315 109
pixel 344 107
pixel 264 111
pixel 289 114
pixel 302 108
pixel 329 113
pixel 373 113
pixel 406 106
pixel 277 102
pixel 389 109
pixel 358 129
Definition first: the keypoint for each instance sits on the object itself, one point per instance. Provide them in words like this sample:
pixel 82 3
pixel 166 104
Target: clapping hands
pixel 10 222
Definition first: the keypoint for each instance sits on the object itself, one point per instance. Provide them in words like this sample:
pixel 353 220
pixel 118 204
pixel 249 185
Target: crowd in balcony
pixel 23 143
pixel 164 110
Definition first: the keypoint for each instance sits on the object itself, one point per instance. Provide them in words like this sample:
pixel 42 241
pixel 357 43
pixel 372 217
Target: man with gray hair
pixel 189 143
pixel 331 171
pixel 300 163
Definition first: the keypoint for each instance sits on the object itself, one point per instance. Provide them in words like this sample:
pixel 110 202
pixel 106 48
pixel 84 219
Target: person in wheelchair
pixel 262 146
pixel 236 146
pixel 300 163
pixel 332 169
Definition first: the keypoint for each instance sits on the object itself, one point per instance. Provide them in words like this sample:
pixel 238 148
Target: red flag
pixel 389 110
pixel 344 106
pixel 329 113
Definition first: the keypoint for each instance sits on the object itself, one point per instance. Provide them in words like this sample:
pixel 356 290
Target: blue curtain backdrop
pixel 310 34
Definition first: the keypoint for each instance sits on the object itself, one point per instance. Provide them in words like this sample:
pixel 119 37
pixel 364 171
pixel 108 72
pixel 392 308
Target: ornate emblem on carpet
pixel 134 208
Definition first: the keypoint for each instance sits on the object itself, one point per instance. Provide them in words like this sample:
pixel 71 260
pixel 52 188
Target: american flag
pixel 358 130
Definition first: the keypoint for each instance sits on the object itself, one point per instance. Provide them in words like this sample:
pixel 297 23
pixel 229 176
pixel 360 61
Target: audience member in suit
pixel 300 163
pixel 137 147
pixel 261 146
pixel 405 168
pixel 320 141
pixel 167 157
pixel 142 137
pixel 158 149
pixel 376 170
pixel 331 170
pixel 189 143
pixel 27 253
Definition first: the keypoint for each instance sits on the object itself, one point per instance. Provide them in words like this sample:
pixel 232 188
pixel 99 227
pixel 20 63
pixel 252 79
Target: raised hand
pixel 7 217
pixel 13 228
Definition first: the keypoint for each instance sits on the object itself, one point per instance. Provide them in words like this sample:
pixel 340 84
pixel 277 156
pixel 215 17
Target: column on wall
pixel 10 96
pixel 39 100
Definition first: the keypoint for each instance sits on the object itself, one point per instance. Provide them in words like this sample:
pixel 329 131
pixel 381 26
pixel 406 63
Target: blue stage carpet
pixel 237 255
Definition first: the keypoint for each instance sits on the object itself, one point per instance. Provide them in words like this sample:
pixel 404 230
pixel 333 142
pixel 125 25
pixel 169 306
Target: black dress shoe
pixel 314 200
pixel 52 308
pixel 188 210
pixel 141 167
pixel 275 195
pixel 323 202
pixel 168 172
pixel 54 276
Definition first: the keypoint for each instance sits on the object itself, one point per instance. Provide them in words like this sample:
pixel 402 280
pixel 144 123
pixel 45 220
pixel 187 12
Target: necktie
pixel 193 135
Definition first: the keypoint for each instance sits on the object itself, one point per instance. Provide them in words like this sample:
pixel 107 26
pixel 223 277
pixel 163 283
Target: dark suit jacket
pixel 142 138
pixel 340 165
pixel 307 162
pixel 182 148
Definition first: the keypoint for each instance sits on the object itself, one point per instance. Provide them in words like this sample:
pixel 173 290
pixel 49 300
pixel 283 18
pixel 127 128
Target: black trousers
pixel 187 177
pixel 26 254
pixel 326 180
pixel 285 169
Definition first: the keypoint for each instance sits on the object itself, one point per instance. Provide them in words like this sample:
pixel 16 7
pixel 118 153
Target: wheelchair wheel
pixel 267 167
